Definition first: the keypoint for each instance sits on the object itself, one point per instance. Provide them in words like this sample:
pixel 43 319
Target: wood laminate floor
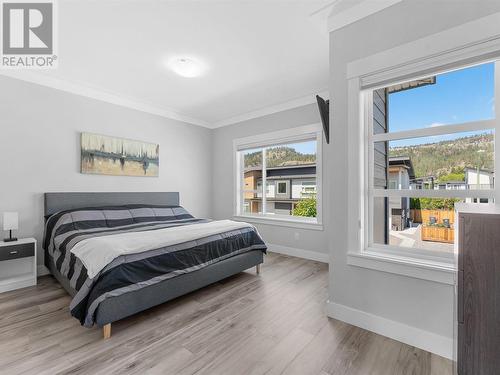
pixel 274 323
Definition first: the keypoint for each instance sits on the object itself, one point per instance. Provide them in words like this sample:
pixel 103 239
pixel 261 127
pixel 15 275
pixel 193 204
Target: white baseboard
pixel 6 287
pixel 299 253
pixel 41 270
pixel 431 342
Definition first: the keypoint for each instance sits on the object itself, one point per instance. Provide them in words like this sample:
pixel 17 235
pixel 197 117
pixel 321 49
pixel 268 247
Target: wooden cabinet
pixel 478 290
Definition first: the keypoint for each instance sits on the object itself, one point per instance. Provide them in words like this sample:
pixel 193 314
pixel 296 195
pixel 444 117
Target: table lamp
pixel 10 223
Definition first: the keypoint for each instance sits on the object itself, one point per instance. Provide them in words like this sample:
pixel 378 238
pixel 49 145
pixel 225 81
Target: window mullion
pixel 241 182
pixel 437 130
pixel 264 181
pixel 497 128
pixel 433 193
pixel 368 103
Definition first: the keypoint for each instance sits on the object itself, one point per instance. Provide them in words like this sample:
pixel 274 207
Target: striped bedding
pixel 129 268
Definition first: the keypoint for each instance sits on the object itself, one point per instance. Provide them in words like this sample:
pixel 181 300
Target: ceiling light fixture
pixel 186 67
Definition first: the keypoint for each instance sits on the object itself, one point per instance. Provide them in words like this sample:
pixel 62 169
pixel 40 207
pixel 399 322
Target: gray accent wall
pixel 223 181
pixel 40 151
pixel 418 303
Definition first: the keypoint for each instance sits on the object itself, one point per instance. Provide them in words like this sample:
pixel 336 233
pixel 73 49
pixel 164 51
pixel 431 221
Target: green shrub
pixel 458 176
pixel 306 207
pixel 433 203
pixel 415 203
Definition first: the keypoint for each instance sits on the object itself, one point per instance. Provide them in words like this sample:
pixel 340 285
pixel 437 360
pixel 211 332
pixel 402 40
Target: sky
pixel 304 147
pixel 457 97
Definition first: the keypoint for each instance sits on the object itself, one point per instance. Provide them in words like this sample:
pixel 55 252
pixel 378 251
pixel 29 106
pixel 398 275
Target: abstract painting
pixel 118 156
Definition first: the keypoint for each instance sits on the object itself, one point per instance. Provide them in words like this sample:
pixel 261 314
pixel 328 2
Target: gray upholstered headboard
pixel 55 202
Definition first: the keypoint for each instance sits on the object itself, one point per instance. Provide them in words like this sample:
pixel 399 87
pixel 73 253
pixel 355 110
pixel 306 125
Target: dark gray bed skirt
pixel 116 308
pixel 62 280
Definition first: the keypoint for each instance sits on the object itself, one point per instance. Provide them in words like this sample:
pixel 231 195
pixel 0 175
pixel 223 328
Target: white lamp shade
pixel 10 221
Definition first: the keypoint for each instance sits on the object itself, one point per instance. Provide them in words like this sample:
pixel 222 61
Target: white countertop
pixel 20 241
pixel 478 208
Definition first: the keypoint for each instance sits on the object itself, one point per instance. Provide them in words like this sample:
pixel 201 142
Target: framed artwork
pixel 101 154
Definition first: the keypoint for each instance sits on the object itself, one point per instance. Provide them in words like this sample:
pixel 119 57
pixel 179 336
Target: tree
pixel 306 207
pixel 433 203
pixel 453 176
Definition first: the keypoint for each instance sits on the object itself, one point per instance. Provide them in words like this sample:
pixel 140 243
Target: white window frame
pixel 470 44
pixel 287 190
pixel 483 125
pixel 291 135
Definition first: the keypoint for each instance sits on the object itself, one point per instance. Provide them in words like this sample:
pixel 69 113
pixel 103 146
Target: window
pixel 431 144
pixel 282 187
pixel 304 189
pixel 287 166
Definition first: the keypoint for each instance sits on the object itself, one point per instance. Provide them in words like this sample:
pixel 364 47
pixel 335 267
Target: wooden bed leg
pixel 257 269
pixel 106 330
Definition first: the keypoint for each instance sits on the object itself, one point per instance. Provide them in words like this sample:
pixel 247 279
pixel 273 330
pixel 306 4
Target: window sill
pixel 440 272
pixel 282 222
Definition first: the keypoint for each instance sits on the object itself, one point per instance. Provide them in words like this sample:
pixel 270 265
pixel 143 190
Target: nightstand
pixel 17 264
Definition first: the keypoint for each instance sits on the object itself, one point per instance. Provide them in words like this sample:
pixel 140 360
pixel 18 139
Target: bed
pixel 118 254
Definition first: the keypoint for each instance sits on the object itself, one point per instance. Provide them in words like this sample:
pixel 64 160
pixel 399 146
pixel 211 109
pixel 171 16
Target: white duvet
pixel 96 253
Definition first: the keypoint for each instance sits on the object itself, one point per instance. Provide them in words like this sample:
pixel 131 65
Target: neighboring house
pixel 252 176
pixel 431 183
pixel 474 180
pixel 427 182
pixel 401 172
pixel 479 179
pixel 451 185
pixel 285 187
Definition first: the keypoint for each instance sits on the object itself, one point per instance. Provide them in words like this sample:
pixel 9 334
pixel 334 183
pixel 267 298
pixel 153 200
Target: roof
pixel 293 166
pixel 403 161
pixel 480 171
pixel 453 182
pixel 288 171
pixel 425 178
pixel 411 85
pixel 298 166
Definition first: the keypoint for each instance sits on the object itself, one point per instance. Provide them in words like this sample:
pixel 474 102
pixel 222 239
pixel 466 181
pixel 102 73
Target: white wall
pixel 223 169
pixel 423 306
pixel 40 151
pixel 484 177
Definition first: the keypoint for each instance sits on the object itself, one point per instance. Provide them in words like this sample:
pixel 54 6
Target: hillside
pixel 447 159
pixel 279 157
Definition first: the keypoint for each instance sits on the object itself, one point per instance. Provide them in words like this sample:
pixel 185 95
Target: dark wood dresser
pixel 478 290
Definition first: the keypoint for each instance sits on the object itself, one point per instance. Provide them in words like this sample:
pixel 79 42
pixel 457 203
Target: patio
pixel 411 237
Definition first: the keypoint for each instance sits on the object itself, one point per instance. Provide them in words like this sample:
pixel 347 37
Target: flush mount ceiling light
pixel 186 66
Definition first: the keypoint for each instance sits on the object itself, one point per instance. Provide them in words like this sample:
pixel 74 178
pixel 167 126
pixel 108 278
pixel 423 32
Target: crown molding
pixel 105 96
pixel 325 11
pixel 320 16
pixel 120 100
pixel 294 103
pixel 363 9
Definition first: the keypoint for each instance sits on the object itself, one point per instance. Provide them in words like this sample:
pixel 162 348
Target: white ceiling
pixel 259 53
